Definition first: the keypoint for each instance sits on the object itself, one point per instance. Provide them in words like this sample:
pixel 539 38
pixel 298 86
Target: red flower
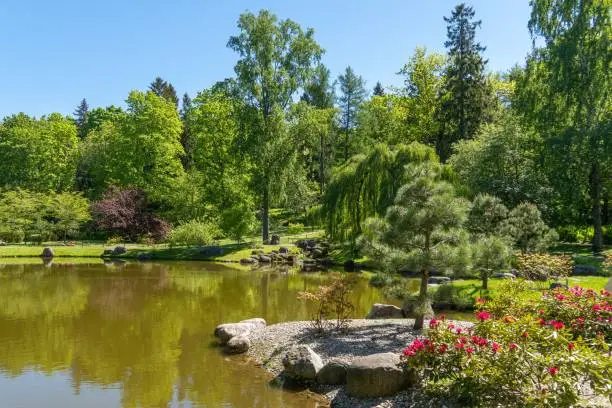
pixel 560 296
pixel 553 371
pixel 556 325
pixel 442 348
pixel 433 323
pixel 458 330
pixel 451 326
pixel 480 300
pixel 408 352
pixel 469 350
pixel 463 340
pixel 525 335
pixel 482 316
pixel 571 346
pixel 495 347
pixel 459 346
pixel 542 322
pixel 596 307
pixel 512 346
pixel 442 317
pixel 541 311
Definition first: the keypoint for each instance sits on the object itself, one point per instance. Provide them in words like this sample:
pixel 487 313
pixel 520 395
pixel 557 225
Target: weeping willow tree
pixel 367 184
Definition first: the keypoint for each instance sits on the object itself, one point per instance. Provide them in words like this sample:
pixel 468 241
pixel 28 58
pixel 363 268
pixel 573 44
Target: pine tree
pixel 466 92
pixel 187 106
pixel 378 89
pixel 353 94
pixel 164 89
pixel 319 92
pixel 80 117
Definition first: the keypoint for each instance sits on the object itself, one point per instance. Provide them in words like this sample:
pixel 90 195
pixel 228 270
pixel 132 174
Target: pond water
pixel 140 334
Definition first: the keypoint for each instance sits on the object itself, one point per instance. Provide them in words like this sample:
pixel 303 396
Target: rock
pixel 438 279
pixel 283 250
pixel 504 276
pixel 238 344
pixel 107 252
pixel 264 259
pixel 301 362
pixel 317 253
pixel 248 260
pixel 376 375
pixel 584 270
pixel 256 322
pixel 211 250
pixel 333 373
pixel 275 239
pixel 119 250
pixel 558 285
pixel 47 252
pixel 227 331
pixel 2 243
pixel 382 311
pixel 609 285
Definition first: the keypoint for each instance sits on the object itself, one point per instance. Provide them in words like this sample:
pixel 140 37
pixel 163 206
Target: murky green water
pixel 140 335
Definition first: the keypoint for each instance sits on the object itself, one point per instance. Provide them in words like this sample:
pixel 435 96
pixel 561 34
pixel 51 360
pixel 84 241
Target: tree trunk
pixel 485 280
pixel 420 317
pixel 595 180
pixel 321 164
pixel 266 214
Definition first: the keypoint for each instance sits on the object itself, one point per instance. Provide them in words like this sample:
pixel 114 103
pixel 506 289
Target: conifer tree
pixel 353 93
pixel 378 89
pixel 81 115
pixel 165 90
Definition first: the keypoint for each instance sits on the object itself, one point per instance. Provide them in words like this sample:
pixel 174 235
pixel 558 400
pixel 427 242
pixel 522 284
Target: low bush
pixel 193 232
pixel 295 229
pixel 542 267
pixel 331 302
pixel 11 235
pixel 582 234
pixel 516 355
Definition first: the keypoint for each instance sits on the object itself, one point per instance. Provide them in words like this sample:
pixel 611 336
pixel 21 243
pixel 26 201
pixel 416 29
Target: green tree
pixel 186 138
pixel 68 212
pixel 382 119
pixel 567 93
pixel 487 215
pixel 378 89
pixel 421 231
pixel 319 92
pixel 525 227
pixel 80 117
pixel 490 254
pixel 277 58
pixel 466 92
pixel 38 154
pixel 164 89
pixel 353 93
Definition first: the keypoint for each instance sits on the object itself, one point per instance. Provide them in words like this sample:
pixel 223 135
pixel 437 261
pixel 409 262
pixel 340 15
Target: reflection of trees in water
pixel 147 327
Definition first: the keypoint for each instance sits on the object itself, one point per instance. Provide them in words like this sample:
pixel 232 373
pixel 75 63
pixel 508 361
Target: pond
pixel 140 334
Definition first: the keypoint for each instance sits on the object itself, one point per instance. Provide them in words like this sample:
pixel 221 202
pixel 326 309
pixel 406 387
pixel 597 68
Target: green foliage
pixel 543 267
pixel 582 234
pixel 38 154
pixel 524 226
pixel 237 221
pixel 193 232
pixel 490 254
pixel 383 119
pixel 486 216
pixel 352 95
pixel 296 228
pixel 422 230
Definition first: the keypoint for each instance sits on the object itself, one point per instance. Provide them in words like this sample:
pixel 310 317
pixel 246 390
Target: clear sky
pixel 54 53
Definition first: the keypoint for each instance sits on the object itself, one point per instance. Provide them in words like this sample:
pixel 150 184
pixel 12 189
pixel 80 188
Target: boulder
pixel 283 250
pixel 264 259
pixel 437 280
pixel 317 253
pixel 256 322
pixel 376 375
pixel 333 373
pixel 47 252
pixel 504 276
pixel 382 311
pixel 107 252
pixel 238 344
pixel 302 362
pixel 248 260
pixel 557 285
pixel 275 239
pixel 227 331
pixel 119 250
pixel 2 243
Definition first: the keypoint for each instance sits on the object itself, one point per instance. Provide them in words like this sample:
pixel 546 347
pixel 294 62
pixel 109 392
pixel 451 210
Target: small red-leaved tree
pixel 128 214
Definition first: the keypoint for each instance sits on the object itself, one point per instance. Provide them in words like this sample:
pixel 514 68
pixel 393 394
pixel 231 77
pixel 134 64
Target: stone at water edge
pixel 119 250
pixel 225 332
pixel 382 311
pixel 376 375
pixel 275 239
pixel 283 250
pixel 302 362
pixel 333 373
pixel 264 259
pixel 47 252
pixel 256 322
pixel 609 285
pixel 238 344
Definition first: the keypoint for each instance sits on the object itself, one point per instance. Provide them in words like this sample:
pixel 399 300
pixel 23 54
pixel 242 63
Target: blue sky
pixel 54 53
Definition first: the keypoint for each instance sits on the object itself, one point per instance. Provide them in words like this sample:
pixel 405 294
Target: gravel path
pixel 363 337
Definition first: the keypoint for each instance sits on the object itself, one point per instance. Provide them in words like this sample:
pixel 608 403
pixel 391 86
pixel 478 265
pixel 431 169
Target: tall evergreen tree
pixel 319 92
pixel 466 92
pixel 81 115
pixel 187 106
pixel 353 93
pixel 378 89
pixel 165 90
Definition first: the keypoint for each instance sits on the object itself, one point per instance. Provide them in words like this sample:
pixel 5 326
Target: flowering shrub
pixel 536 266
pixel 331 302
pixel 530 359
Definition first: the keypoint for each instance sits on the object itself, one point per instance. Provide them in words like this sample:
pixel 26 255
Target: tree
pixel 567 93
pixel 353 93
pixel 80 117
pixel 127 213
pixel 164 89
pixel 423 84
pixel 421 231
pixel 466 92
pixel 319 92
pixel 38 154
pixel 487 215
pixel 378 89
pixel 524 226
pixel 186 137
pixel 277 58
pixel 382 119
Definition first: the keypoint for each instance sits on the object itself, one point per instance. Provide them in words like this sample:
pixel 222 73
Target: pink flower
pixel 463 340
pixel 553 371
pixel 556 325
pixel 459 346
pixel 469 350
pixel 596 307
pixel 495 347
pixel 512 346
pixel 408 352
pixel 560 296
pixel 482 316
pixel 433 323
pixel 571 346
pixel 576 291
pixel 458 330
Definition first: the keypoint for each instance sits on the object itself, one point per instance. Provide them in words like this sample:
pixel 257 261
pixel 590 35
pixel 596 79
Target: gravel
pixel 362 337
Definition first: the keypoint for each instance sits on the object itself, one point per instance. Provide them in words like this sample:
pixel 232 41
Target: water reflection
pixel 144 331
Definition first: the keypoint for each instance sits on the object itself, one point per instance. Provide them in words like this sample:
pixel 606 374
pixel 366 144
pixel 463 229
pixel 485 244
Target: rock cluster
pixel 282 256
pixel 316 253
pixel 47 252
pixel 235 336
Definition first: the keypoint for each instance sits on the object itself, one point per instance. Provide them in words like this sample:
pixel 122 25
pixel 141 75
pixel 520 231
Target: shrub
pixel 237 222
pixel 10 235
pixel 114 240
pixel 331 302
pixel 582 234
pixel 543 266
pixel 509 359
pixel 525 227
pixel 295 229
pixel 193 232
pixel 487 213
